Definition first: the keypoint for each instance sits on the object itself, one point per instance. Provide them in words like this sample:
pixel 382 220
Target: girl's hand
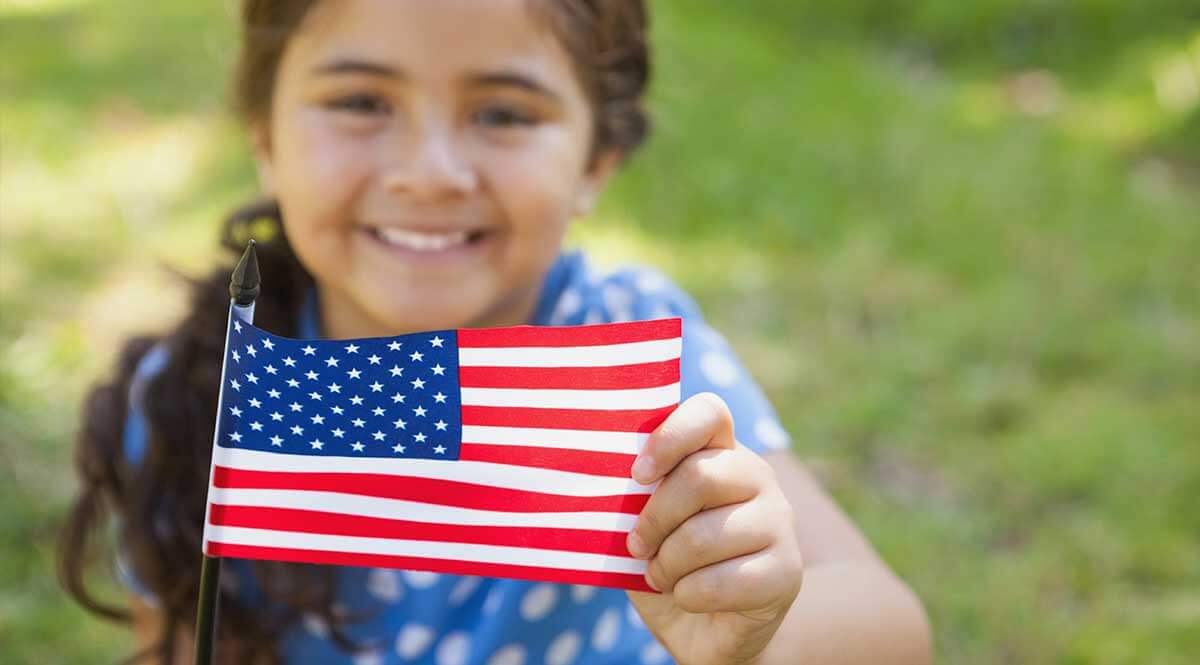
pixel 720 538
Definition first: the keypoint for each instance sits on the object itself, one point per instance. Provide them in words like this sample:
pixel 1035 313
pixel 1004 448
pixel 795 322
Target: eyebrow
pixel 346 66
pixel 499 78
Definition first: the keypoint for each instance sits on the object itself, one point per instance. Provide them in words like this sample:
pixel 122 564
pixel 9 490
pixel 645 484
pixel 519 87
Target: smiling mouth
pixel 424 241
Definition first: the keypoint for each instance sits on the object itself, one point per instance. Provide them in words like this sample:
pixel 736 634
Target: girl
pixel 422 160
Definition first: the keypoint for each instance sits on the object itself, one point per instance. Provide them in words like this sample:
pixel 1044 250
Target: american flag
pixel 501 452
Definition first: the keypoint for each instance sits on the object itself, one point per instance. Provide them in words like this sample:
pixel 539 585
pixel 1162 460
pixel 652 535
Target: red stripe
pixel 340 524
pixel 558 575
pixel 560 459
pixel 428 490
pixel 618 377
pixel 641 420
pixel 593 335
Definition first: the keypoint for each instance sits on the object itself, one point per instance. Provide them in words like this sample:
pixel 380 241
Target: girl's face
pixel 428 156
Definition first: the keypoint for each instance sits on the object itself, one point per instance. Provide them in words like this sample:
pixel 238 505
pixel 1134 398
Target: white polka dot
pixel 662 312
pixel 770 433
pixel 513 654
pixel 538 601
pixel 420 579
pixel 604 636
pixel 385 585
pixel 593 316
pixel 563 649
pixel 463 590
pixel 492 604
pixel 582 593
pixel 367 658
pixel 718 369
pixel 568 303
pixel 413 640
pixel 454 649
pixel 619 302
pixel 633 617
pixel 649 281
pixel 316 626
pixel 654 653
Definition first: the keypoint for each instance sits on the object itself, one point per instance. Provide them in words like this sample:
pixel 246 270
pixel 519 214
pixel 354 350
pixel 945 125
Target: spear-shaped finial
pixel 243 286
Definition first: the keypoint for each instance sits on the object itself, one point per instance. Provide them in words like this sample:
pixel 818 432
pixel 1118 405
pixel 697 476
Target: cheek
pixel 320 167
pixel 537 186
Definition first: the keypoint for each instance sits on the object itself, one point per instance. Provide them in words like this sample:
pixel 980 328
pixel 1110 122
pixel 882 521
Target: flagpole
pixel 243 290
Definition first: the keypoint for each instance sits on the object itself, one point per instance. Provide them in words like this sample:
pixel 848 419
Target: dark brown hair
pixel 160 500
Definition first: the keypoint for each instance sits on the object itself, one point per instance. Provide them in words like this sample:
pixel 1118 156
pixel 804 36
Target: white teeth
pixel 422 242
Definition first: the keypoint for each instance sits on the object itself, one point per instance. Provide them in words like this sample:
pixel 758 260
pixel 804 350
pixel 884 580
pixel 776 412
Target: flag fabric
pixel 501 452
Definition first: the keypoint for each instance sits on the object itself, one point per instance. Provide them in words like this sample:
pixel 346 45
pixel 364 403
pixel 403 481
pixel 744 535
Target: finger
pixel 711 537
pixel 706 479
pixel 765 579
pixel 702 421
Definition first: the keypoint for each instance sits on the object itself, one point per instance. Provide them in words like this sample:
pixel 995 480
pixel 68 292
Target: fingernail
pixel 637 546
pixel 643 470
pixel 651 583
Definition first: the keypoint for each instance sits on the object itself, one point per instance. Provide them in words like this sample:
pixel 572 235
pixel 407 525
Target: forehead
pixel 432 39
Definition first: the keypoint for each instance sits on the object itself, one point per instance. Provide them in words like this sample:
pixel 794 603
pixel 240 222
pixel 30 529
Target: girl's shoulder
pixel 578 293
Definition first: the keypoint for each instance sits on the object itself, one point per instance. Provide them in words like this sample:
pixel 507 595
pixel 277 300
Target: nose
pixel 430 165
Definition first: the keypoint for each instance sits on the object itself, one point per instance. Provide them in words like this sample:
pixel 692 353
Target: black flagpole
pixel 243 290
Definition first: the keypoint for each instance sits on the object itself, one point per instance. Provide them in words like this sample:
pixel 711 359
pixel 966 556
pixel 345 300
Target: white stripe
pixel 516 556
pixel 416 511
pixel 539 398
pixel 629 443
pixel 529 479
pixel 606 355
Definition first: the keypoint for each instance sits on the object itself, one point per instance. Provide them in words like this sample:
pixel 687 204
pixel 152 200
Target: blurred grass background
pixel 958 243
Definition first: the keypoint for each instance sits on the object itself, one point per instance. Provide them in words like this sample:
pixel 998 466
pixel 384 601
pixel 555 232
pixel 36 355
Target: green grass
pixel 970 291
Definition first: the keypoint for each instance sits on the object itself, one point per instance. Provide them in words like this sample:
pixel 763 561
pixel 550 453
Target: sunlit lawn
pixel 960 247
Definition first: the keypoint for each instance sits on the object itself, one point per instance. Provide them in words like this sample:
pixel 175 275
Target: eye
pixel 360 103
pixel 502 116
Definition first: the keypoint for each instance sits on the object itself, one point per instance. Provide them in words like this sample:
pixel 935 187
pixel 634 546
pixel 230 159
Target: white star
pixel 256 426
pixel 331 362
pixel 398 398
pixel 236 358
pixel 289 361
pixel 254 402
pixel 296 406
pixel 356 400
pixel 235 385
pixel 438 370
pixel 436 341
pixel 335 388
pixel 441 425
pixel 276 416
pixel 373 359
pixel 358 422
pixel 376 387
pixel 312 376
pixel 237 325
pixel 337 432
pixel 297 430
pixel 357 447
pixel 309 350
pixel 378 436
pixel 418 383
pixel 316 396
pixel 394 345
pixel 337 410
pixel 398 448
pixel 420 438
pixel 317 444
pixel 270 346
pixel 351 348
pixel 318 419
pixel 273 393
pixel 235 411
pixel 400 424
pixel 271 369
pixel 250 350
pixel 440 398
pixel 292 383
pixel 416 355
pixel 354 373
pixel 420 411
pixel 276 440
pixel 397 370
pixel 377 411
pixel 251 378
pixel 237 438
pixel 439 449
